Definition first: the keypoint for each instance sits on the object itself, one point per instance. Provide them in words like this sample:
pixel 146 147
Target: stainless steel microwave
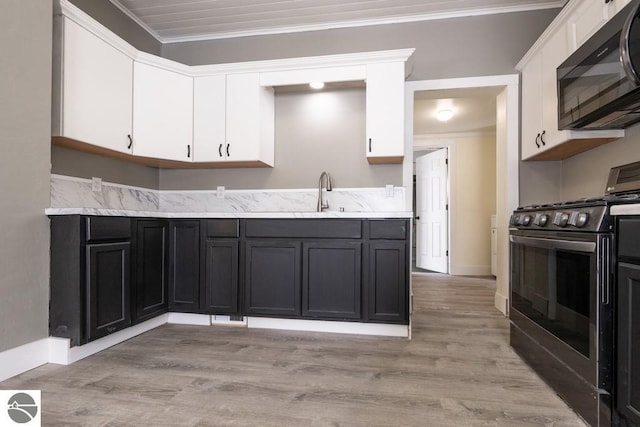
pixel 599 84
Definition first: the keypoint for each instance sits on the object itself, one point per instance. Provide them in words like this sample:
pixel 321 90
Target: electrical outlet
pixel 220 192
pixel 96 184
pixel 389 190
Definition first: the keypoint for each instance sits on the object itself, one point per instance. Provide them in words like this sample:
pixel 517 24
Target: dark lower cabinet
pixel 150 269
pixel 331 279
pixel 184 266
pixel 108 273
pixel 89 277
pixel 221 277
pixel 388 287
pixel 272 277
pixel 628 358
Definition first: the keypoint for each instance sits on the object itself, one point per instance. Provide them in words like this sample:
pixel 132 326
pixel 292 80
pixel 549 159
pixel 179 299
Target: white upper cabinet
pixel 162 113
pixel 540 137
pixel 233 120
pixel 250 120
pixel 209 117
pixel 589 17
pixel 92 98
pixel 385 112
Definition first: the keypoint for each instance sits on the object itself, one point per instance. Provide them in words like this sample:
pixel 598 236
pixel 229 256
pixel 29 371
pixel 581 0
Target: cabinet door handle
pixel 369 144
pixel 542 137
pixel 417 218
pixel 220 150
pixel 188 151
pixel 228 150
pixel 130 142
pixel 537 139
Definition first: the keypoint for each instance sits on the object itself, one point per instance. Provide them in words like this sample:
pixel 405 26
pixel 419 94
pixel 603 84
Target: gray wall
pixel 114 19
pixel 65 161
pixel 314 132
pixel 25 120
pixel 459 47
pixel 475 46
pixel 585 175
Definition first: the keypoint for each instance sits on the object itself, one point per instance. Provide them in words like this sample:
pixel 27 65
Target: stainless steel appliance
pixel 599 84
pixel 562 295
pixel 561 300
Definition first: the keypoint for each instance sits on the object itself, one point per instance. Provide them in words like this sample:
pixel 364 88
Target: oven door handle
pixel 566 245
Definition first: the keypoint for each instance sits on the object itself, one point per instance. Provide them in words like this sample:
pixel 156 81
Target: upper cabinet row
pixel 540 137
pixel 113 100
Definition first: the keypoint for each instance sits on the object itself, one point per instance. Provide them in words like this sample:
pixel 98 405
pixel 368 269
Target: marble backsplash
pixel 71 192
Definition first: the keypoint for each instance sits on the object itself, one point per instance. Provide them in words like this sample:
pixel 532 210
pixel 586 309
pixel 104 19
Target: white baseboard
pixel 189 319
pixel 23 358
pixel 329 326
pixel 18 360
pixel 502 303
pixel 62 354
pixel 471 270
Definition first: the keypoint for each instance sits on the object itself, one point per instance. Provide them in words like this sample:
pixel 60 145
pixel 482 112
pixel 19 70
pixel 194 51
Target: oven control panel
pixel 586 218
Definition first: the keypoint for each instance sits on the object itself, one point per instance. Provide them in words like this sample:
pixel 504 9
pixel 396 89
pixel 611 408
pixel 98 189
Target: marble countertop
pixel 156 214
pixel 632 209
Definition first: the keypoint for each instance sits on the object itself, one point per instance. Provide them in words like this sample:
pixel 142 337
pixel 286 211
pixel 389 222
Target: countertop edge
pixel 169 215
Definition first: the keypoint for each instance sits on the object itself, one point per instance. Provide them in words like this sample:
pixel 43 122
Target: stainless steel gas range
pixel 562 294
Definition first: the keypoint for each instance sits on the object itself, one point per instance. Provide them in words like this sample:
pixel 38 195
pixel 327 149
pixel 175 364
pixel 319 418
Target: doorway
pixel 506 142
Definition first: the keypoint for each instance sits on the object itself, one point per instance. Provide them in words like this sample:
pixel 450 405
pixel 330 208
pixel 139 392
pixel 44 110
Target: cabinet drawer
pixel 304 228
pixel 628 242
pixel 222 228
pixel 108 228
pixel 388 229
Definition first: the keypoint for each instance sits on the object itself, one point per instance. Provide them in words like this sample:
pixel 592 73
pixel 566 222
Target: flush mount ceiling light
pixel 316 85
pixel 444 115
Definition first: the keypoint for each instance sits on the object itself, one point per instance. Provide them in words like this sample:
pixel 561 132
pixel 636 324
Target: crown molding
pixel 81 18
pixel 533 5
pixel 137 20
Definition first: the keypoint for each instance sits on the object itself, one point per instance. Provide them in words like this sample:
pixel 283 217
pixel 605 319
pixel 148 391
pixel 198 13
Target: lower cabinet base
pixel 61 352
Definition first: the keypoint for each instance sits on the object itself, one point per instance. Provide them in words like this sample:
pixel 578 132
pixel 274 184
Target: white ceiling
pixel 182 20
pixel 474 111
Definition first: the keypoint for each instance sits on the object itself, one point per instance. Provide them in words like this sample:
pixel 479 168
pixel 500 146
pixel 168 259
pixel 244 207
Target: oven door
pixel 561 298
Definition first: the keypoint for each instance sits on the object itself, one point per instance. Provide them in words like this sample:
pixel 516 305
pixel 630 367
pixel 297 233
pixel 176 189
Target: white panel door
pixel 97 90
pixel 209 117
pixel 162 113
pixel 432 245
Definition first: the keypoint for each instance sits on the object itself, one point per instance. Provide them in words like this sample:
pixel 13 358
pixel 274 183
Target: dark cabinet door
pixel 108 273
pixel 331 279
pixel 184 267
pixel 272 278
pixel 150 287
pixel 388 284
pixel 628 375
pixel 221 277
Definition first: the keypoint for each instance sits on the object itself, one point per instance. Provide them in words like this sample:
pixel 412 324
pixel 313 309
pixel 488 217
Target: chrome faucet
pixel 323 204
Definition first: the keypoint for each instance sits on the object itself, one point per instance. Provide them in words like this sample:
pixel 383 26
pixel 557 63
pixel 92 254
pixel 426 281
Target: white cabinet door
pixel 96 91
pixel 162 113
pixel 589 17
pixel 553 54
pixel 531 107
pixel 250 120
pixel 209 119
pixel 385 112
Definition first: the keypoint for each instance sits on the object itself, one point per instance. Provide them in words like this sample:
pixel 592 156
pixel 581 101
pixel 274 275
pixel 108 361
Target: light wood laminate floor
pixel 457 371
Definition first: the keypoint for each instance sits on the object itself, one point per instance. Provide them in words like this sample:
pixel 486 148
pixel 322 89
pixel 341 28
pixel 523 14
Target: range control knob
pixel 579 219
pixel 541 220
pixel 561 219
pixel 514 220
pixel 526 220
